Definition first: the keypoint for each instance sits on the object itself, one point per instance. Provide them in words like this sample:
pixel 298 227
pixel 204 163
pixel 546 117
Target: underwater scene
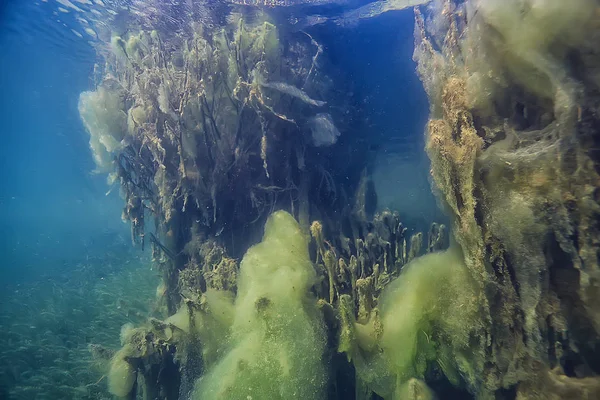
pixel 300 199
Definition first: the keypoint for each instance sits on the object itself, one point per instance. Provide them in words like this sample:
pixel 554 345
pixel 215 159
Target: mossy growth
pixel 122 375
pixel 277 339
pixel 428 317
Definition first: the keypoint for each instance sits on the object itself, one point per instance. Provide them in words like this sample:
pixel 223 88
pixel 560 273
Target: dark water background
pixel 68 273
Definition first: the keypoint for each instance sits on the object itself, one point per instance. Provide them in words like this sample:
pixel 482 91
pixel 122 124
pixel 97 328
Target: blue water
pixel 52 208
pixel 377 56
pixel 69 275
pixel 66 257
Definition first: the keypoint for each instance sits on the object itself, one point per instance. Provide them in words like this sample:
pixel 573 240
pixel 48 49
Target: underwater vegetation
pixel 57 333
pixel 214 129
pixel 277 333
pixel 237 138
pixel 513 141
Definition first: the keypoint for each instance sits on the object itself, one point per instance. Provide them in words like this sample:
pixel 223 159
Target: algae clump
pixel 122 375
pixel 430 312
pixel 106 122
pixel 428 317
pixel 277 337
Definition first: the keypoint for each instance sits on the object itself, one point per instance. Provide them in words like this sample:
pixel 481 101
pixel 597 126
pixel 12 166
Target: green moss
pixel 277 337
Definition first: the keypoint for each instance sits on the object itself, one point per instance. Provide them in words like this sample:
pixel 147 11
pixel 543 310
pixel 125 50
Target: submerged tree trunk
pixel 513 137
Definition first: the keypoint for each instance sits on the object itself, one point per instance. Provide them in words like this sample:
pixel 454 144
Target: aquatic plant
pixel 429 314
pixel 214 132
pixel 226 125
pixel 277 333
pixel 226 348
pixel 513 89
